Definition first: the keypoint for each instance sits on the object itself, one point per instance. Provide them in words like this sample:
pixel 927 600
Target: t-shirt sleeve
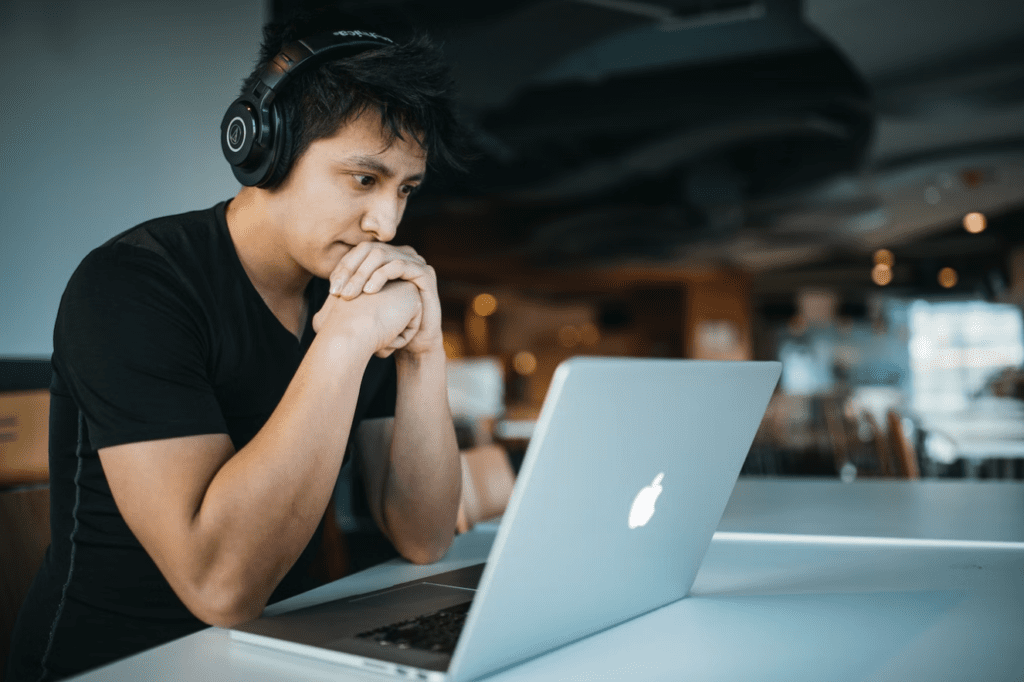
pixel 130 345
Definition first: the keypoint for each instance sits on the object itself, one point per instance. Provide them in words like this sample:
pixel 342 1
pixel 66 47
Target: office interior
pixel 834 184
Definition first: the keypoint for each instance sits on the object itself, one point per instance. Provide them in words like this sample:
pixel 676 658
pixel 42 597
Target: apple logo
pixel 643 505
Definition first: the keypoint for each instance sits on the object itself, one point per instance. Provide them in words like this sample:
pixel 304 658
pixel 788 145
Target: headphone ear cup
pixel 241 129
pixel 281 154
pixel 238 131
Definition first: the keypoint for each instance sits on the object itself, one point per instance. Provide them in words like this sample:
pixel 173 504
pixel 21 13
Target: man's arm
pixel 224 527
pixel 414 490
pixel 410 465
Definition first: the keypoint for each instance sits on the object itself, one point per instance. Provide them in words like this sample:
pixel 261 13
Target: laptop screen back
pixel 625 480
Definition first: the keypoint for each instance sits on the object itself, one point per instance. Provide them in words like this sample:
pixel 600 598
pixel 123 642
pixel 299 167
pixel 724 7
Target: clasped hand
pixel 368 280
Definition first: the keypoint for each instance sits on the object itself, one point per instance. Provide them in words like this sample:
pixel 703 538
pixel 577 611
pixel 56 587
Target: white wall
pixel 109 116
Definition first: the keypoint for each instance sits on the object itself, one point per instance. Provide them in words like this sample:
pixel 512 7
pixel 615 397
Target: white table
pixel 927 509
pixel 807 599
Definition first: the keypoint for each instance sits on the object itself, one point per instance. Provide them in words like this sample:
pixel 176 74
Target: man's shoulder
pixel 193 229
pixel 171 252
pixel 185 239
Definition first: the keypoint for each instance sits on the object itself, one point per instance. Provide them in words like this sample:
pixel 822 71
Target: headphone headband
pixel 251 129
pixel 298 56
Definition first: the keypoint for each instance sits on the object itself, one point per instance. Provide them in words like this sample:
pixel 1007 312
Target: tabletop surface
pixel 793 587
pixel 934 509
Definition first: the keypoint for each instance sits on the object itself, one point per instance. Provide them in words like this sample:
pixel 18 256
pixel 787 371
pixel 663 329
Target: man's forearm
pixel 424 481
pixel 266 501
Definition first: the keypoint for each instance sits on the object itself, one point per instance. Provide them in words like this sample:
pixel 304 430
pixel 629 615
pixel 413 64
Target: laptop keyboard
pixel 437 632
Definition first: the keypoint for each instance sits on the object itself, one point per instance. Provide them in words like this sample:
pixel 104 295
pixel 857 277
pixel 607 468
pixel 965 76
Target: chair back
pixel 904 455
pixel 24 435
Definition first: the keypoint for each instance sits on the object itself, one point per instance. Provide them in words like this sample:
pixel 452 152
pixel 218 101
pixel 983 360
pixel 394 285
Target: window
pixel 956 347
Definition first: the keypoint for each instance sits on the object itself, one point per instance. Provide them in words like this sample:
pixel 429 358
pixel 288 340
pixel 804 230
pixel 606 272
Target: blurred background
pixel 836 184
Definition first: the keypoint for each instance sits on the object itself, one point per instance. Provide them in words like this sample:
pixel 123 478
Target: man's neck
pixel 271 270
pixel 280 282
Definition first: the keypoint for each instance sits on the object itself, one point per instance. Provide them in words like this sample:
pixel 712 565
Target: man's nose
pixel 382 217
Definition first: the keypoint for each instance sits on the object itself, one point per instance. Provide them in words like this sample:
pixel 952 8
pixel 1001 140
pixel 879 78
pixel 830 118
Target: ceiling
pixel 788 139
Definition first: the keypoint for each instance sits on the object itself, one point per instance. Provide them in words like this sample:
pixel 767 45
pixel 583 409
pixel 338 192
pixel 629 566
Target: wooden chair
pixel 902 451
pixel 896 455
pixel 24 501
pixel 24 437
pixel 487 481
pixel 24 537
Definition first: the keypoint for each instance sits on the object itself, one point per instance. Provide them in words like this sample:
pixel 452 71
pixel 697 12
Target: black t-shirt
pixel 160 334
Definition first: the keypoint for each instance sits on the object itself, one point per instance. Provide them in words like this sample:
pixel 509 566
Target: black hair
pixel 408 84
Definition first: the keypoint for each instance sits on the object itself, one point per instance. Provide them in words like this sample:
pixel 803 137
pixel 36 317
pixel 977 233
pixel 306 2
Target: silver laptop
pixel 625 479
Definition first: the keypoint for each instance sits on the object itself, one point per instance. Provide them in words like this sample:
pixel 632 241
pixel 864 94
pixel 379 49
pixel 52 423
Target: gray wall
pixel 109 116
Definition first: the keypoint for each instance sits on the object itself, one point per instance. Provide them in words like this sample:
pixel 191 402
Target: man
pixel 212 369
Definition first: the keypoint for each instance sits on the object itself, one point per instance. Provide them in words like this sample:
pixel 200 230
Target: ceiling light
pixel 948 277
pixel 884 257
pixel 881 274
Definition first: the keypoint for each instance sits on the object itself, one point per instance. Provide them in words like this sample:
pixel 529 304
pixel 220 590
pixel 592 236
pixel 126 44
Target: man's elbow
pixel 422 553
pixel 422 557
pixel 227 617
pixel 215 605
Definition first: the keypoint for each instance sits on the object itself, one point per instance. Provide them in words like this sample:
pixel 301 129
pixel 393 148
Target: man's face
pixel 345 189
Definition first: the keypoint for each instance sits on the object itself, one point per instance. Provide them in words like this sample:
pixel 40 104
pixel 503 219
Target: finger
pixel 396 269
pixel 397 343
pixel 348 264
pixel 351 262
pixel 409 332
pixel 411 252
pixel 373 261
pixel 417 321
pixel 403 339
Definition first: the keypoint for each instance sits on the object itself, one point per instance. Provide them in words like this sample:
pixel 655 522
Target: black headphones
pixel 252 132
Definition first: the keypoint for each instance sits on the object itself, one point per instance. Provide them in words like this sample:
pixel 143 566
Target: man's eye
pixel 365 180
pixel 408 190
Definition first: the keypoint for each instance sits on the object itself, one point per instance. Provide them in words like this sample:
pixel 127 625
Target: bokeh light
pixel 477 334
pixel 948 277
pixel 484 305
pixel 885 257
pixel 525 363
pixel 453 347
pixel 881 274
pixel 974 222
